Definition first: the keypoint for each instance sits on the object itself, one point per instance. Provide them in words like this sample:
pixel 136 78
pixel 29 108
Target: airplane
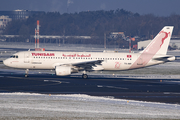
pixel 66 63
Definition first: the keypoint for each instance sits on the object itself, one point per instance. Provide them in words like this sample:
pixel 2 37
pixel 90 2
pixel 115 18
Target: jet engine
pixel 63 70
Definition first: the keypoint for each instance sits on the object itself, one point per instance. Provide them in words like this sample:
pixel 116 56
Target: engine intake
pixel 63 70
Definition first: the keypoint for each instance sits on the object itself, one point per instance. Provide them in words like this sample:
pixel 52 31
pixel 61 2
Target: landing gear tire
pixel 26 75
pixel 26 72
pixel 85 76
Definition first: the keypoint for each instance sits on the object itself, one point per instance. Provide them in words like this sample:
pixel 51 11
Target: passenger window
pixel 14 56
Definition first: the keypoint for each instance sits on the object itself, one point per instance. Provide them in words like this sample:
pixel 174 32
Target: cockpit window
pixel 14 56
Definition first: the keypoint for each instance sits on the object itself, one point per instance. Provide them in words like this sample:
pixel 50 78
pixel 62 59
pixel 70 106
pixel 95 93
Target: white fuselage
pixel 50 59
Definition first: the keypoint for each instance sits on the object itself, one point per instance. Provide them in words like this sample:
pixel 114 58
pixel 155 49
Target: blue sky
pixel 156 7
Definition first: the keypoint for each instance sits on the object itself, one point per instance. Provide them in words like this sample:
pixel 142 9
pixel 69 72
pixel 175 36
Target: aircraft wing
pixel 87 65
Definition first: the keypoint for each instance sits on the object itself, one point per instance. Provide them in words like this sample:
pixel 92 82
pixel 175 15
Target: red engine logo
pixel 117 65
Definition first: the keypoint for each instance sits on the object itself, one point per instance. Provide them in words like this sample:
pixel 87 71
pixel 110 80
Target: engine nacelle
pixel 63 70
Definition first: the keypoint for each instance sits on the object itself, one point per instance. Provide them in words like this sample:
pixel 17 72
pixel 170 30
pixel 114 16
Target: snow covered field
pixel 79 106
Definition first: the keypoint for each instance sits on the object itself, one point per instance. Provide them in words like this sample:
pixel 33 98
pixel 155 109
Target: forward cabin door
pixel 26 58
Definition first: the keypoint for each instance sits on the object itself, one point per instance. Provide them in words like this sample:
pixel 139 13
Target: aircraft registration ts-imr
pixel 66 63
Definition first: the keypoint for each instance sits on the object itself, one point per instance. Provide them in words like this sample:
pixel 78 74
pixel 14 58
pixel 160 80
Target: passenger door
pixel 26 58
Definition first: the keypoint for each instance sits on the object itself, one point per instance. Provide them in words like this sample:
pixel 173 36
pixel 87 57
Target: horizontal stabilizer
pixel 165 58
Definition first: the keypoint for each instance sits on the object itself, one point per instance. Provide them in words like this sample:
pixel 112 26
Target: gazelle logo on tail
pixel 166 35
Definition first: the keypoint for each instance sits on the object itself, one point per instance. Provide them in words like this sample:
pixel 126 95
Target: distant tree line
pixel 94 23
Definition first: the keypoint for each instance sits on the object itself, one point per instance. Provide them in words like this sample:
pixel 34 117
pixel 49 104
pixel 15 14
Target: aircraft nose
pixel 5 62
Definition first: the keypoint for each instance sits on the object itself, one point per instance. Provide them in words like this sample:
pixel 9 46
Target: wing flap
pixel 87 65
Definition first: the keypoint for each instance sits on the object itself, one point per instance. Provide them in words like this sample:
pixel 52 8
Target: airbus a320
pixel 67 63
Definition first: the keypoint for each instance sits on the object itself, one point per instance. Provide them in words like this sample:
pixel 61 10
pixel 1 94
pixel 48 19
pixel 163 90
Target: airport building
pixel 173 44
pixel 4 21
pixel 7 16
pixel 19 14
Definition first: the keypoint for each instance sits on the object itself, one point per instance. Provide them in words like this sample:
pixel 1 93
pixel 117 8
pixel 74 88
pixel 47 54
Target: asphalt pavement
pixel 154 90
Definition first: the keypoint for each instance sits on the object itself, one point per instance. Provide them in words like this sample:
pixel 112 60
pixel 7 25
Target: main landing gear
pixel 26 72
pixel 84 75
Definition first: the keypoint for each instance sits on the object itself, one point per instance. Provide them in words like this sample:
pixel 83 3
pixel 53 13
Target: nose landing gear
pixel 26 72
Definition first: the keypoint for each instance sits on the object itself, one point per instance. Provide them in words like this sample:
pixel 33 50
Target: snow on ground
pixel 79 106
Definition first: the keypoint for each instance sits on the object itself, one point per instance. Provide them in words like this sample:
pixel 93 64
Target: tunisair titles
pixel 64 55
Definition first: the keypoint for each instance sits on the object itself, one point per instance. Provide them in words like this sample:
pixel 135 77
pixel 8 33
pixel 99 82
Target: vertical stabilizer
pixel 160 43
